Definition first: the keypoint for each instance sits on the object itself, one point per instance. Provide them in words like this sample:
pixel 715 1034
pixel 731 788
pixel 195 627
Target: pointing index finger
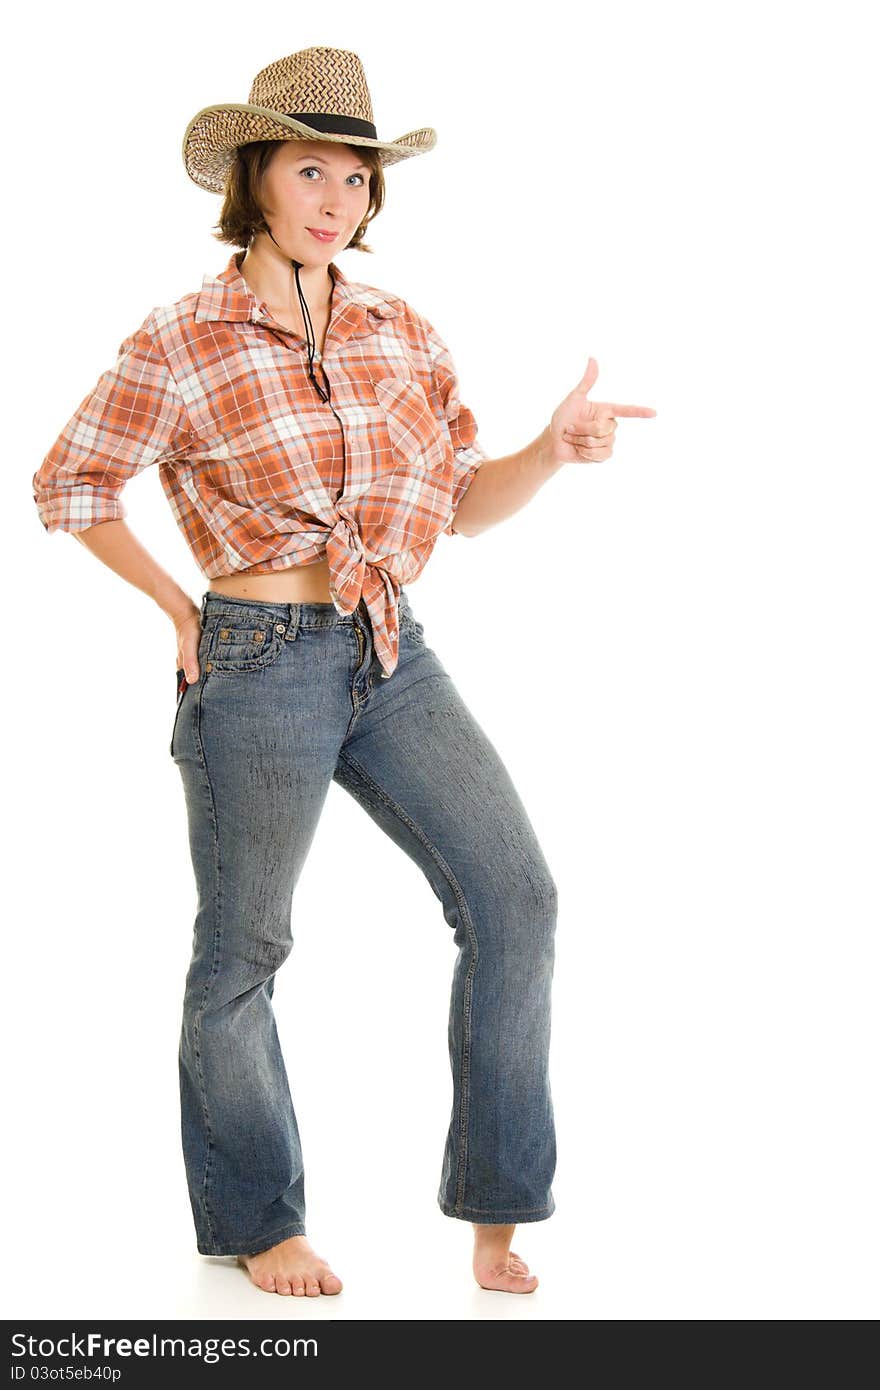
pixel 642 412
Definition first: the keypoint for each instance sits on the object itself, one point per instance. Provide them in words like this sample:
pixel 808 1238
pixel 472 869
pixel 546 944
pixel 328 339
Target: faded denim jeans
pixel 290 696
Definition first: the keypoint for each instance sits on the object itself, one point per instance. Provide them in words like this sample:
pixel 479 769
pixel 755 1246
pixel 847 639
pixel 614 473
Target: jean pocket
pixel 182 688
pixel 240 643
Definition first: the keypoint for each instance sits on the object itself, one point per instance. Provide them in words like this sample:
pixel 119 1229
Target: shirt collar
pixel 229 297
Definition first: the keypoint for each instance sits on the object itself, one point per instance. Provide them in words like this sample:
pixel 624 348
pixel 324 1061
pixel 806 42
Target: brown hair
pixel 241 216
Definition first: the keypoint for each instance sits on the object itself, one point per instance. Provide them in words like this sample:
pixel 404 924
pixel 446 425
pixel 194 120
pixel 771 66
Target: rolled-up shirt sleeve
pixel 469 452
pixel 134 417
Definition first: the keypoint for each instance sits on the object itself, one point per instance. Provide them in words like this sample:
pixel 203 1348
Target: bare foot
pixel 496 1266
pixel 291 1267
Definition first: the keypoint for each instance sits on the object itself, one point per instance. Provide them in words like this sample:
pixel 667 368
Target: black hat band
pixel 334 125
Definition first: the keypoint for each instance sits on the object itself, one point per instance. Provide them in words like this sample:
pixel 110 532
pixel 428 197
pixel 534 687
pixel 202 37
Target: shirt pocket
pixel 418 439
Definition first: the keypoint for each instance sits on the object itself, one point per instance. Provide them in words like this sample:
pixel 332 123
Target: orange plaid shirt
pixel 260 472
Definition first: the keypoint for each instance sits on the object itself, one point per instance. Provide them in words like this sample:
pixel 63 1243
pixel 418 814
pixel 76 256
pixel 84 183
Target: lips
pixel 322 236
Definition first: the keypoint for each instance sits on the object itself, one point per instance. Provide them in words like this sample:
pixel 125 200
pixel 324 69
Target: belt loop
pixel 294 612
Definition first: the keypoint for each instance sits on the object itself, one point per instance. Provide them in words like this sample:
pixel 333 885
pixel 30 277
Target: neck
pixel 270 275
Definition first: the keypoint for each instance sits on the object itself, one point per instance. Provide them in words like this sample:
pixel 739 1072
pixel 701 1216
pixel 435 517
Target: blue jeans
pixel 290 696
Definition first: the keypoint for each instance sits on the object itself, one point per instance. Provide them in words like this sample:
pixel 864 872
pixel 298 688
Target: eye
pixel 314 167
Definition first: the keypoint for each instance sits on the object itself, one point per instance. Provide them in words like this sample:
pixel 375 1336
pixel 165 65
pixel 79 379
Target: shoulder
pixel 397 311
pixel 170 318
pixel 375 298
pixel 173 327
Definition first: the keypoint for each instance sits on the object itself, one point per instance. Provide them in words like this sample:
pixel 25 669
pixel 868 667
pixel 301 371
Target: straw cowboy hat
pixel 315 94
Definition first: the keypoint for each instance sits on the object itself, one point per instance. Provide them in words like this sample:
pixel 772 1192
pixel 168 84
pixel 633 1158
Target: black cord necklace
pixel 311 340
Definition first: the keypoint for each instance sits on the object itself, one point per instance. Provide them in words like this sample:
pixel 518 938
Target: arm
pixel 580 431
pixel 502 486
pixel 133 418
pixel 116 546
pixel 484 490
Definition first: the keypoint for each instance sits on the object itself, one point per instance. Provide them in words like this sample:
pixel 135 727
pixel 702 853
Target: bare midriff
pixel 298 584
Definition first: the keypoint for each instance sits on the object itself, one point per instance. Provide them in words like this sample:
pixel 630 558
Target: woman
pixel 312 444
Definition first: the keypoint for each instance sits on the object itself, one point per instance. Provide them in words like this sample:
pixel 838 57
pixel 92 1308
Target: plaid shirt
pixel 261 473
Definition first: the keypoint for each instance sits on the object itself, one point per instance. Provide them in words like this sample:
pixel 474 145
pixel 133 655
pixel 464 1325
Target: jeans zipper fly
pixel 356 694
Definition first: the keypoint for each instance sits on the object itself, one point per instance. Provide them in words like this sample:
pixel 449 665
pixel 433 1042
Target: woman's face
pixel 315 183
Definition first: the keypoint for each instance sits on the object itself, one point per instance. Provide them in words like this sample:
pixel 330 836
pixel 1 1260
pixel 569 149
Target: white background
pixel 675 652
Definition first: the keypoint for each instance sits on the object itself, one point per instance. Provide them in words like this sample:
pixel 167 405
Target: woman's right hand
pixel 189 631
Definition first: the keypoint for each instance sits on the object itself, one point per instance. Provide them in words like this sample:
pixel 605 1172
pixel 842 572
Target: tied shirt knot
pixel 347 563
pixel 352 578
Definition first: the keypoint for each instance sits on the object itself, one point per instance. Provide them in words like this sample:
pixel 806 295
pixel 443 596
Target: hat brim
pixel 215 132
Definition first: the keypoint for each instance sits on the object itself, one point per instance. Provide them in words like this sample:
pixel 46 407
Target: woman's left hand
pixel 582 431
